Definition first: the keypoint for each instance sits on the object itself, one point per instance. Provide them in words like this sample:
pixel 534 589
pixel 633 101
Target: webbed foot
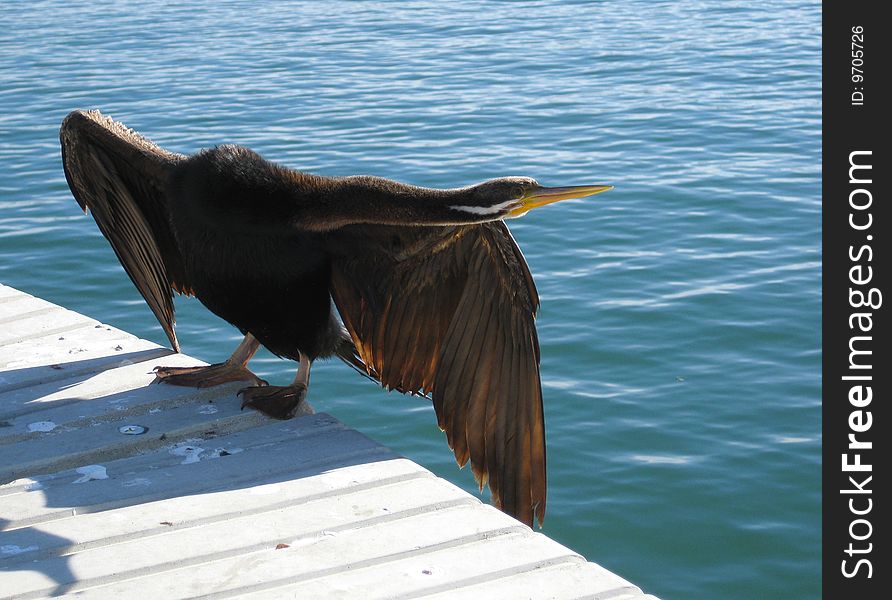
pixel 278 402
pixel 207 376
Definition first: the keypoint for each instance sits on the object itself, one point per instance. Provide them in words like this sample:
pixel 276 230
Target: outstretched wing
pixel 121 177
pixel 450 311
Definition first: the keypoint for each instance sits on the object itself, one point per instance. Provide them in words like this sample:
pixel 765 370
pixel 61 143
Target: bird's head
pixel 510 197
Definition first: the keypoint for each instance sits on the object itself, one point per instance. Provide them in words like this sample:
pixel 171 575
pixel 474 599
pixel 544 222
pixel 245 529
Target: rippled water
pixel 680 321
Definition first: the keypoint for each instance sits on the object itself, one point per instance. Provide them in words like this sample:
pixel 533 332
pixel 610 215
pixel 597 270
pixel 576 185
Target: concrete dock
pixel 114 488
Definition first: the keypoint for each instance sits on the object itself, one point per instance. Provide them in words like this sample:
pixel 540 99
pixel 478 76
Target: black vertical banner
pixel 856 370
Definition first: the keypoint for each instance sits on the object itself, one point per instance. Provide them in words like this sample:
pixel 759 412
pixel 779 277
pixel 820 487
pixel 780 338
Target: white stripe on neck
pixel 485 210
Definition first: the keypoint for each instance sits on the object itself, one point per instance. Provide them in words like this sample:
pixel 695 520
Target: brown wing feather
pixel 450 311
pixel 121 177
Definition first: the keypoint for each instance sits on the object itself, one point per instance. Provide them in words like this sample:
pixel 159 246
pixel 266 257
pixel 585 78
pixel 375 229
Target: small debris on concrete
pixel 91 472
pixel 189 452
pixel 41 426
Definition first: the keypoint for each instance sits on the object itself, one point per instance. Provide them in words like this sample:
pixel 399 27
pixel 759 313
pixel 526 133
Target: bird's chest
pixel 240 275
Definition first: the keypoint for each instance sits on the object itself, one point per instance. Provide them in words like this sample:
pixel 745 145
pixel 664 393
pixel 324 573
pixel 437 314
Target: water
pixel 680 321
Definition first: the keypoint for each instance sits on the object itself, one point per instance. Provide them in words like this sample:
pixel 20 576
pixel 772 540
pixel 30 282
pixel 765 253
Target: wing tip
pixel 80 113
pixel 91 122
pixel 76 119
pixel 539 512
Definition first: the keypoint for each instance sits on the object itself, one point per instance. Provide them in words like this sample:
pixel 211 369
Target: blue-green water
pixel 680 321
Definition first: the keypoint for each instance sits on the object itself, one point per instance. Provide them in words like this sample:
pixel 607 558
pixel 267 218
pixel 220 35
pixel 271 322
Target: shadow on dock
pixel 63 450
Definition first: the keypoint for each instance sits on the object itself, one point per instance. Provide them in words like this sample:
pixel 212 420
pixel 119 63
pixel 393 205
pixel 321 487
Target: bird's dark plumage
pixel 434 293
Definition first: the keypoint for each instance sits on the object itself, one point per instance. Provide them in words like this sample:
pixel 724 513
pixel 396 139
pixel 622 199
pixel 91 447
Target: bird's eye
pixel 517 192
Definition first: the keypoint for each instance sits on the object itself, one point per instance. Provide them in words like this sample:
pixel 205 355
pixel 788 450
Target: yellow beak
pixel 541 196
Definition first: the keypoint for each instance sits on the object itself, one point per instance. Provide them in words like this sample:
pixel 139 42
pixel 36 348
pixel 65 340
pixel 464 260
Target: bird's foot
pixel 208 376
pixel 279 402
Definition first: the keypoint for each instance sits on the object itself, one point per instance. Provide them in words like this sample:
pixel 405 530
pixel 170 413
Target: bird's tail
pixel 347 352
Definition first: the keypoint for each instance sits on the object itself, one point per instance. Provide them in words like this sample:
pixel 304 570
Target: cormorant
pixel 434 294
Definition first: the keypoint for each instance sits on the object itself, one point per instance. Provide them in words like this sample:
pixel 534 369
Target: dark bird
pixel 434 294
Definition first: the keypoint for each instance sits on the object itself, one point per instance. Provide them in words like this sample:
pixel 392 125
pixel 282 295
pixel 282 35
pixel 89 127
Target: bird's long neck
pixel 329 203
